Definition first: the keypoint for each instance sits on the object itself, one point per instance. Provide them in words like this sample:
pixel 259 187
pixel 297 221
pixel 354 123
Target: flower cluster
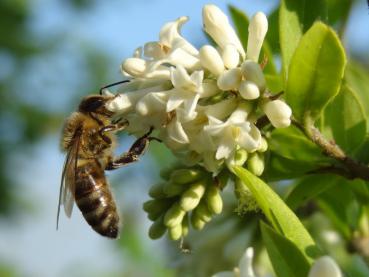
pixel 203 103
pixel 188 195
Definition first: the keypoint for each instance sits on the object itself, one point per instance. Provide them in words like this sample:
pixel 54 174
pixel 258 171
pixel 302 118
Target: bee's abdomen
pixel 95 200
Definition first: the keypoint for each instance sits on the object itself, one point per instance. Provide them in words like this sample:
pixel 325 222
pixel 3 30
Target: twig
pixel 351 168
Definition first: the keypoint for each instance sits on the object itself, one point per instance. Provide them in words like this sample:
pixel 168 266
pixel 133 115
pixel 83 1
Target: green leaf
pixel 279 168
pixel 340 205
pixel 315 72
pixel 309 187
pixel 274 82
pixel 295 18
pixel 338 11
pixel 241 22
pixel 357 78
pixel 272 35
pixel 286 258
pixel 292 144
pixel 284 221
pixel 345 120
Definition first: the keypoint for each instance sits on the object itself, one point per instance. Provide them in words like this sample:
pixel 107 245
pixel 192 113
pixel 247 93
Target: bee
pixel 88 139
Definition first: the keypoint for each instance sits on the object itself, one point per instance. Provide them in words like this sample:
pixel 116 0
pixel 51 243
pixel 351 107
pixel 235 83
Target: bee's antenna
pixel 112 85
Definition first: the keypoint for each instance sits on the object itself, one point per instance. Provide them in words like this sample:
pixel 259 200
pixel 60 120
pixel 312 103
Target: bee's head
pixel 95 104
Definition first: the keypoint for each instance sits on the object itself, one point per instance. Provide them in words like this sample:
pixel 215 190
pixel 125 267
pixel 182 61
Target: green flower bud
pixel 263 146
pixel 156 205
pixel 184 176
pixel 256 164
pixel 214 200
pixel 203 212
pixel 192 196
pixel 196 222
pixel 156 191
pixel 157 229
pixel 175 232
pixel 239 158
pixel 185 226
pixel 174 215
pixel 171 189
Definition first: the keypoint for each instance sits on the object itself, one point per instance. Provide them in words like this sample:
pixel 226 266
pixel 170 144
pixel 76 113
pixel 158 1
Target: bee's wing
pixel 67 186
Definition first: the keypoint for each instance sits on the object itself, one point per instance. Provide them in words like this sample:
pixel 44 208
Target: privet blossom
pixel 204 102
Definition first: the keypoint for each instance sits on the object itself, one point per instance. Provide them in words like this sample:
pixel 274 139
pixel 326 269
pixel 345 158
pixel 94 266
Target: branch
pixel 351 168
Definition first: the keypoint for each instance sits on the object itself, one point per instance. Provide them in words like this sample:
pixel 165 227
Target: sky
pixel 118 27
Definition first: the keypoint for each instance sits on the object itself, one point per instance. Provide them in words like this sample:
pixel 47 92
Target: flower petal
pixel 245 264
pixel 258 28
pixel 216 24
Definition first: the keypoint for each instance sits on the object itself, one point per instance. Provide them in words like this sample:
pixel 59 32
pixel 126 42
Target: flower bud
pixel 192 196
pixel 258 28
pixel 249 90
pixel 155 206
pixel 211 60
pixel 185 175
pixel 278 112
pixel 323 267
pixel 134 66
pixel 185 226
pixel 214 200
pixel 230 79
pixel 156 191
pixel 203 212
pixel 196 222
pixel 251 71
pixel 174 215
pixel 171 189
pixel 256 164
pixel 157 229
pixel 216 24
pixel 230 56
pixel 175 232
pixel 263 145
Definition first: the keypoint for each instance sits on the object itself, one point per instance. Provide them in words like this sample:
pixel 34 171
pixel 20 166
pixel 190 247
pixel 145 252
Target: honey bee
pixel 88 139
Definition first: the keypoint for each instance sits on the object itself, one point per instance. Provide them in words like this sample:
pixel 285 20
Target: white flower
pixel 278 112
pixel 244 268
pixel 257 30
pixel 216 24
pixel 230 79
pixel 201 103
pixel 235 131
pixel 325 267
pixel 187 91
pixel 211 60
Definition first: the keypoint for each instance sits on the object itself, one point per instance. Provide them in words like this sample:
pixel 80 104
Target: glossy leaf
pixel 357 78
pixel 286 258
pixel 295 18
pixel 292 144
pixel 309 187
pixel 341 206
pixel 280 168
pixel 282 218
pixel 315 72
pixel 345 120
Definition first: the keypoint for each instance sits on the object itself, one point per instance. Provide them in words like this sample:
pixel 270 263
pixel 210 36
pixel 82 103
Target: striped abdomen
pixel 94 199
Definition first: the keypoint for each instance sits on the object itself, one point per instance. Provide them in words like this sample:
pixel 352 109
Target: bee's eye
pixel 91 104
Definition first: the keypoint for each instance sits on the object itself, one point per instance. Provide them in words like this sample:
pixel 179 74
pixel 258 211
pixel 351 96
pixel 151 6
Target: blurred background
pixel 51 54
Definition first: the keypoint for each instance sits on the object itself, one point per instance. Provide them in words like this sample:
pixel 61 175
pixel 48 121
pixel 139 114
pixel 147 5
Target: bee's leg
pixel 117 126
pixel 137 149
